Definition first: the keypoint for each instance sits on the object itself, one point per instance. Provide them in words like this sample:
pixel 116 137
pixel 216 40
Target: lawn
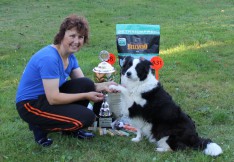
pixel 196 44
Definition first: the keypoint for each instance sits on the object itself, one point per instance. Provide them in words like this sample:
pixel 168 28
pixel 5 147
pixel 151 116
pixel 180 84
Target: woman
pixel 46 99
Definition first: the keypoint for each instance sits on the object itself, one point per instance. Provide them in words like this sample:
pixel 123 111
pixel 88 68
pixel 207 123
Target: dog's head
pixel 135 69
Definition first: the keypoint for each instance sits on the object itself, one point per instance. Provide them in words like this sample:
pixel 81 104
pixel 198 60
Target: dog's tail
pixel 209 147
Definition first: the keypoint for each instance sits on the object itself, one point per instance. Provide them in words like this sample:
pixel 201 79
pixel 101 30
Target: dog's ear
pixel 126 60
pixel 142 59
pixel 147 62
pixel 150 63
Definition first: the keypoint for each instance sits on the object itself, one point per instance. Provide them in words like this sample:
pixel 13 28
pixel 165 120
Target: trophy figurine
pixel 104 72
pixel 105 110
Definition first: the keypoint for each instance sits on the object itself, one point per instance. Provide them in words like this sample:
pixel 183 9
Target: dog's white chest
pixel 133 97
pixel 128 100
pixel 136 97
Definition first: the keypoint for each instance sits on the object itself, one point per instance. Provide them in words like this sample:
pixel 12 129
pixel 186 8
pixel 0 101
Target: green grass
pixel 197 48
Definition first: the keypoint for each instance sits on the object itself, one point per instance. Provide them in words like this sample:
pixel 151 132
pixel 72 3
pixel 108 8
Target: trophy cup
pixel 104 72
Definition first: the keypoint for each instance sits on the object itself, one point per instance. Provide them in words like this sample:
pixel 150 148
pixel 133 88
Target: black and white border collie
pixel 153 112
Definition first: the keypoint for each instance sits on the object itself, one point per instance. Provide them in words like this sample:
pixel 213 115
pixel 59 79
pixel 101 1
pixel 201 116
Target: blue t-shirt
pixel 45 64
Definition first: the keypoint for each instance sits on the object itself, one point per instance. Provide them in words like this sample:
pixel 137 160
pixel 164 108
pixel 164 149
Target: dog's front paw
pixel 152 139
pixel 136 139
pixel 115 88
pixel 159 149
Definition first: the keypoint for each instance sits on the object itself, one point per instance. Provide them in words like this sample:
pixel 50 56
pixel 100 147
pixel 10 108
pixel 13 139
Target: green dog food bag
pixel 137 40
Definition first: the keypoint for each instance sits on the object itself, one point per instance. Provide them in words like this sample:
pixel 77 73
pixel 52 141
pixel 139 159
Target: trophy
pixel 104 72
pixel 105 115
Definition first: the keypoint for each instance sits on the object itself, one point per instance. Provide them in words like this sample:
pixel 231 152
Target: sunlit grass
pixel 183 47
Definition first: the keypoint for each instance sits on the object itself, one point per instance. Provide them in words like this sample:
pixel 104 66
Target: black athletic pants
pixel 66 117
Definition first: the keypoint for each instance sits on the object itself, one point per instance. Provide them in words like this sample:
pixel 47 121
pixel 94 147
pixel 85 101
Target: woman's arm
pixel 76 73
pixel 104 86
pixel 55 97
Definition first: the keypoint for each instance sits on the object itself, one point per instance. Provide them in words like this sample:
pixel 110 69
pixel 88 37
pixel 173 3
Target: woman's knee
pixel 89 84
pixel 78 85
pixel 90 119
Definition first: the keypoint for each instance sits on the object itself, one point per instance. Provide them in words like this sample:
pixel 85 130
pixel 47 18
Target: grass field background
pixel 197 44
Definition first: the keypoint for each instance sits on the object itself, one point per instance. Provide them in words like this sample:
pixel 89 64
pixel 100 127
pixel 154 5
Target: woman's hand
pixel 95 96
pixel 104 86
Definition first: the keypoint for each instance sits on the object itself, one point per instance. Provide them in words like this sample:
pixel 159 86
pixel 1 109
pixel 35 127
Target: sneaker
pixel 79 134
pixel 83 134
pixel 45 142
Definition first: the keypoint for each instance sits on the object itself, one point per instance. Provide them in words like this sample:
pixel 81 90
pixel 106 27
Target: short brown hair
pixel 70 22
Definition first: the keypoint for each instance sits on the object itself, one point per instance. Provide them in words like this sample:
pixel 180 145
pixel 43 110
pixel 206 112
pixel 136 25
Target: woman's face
pixel 72 41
